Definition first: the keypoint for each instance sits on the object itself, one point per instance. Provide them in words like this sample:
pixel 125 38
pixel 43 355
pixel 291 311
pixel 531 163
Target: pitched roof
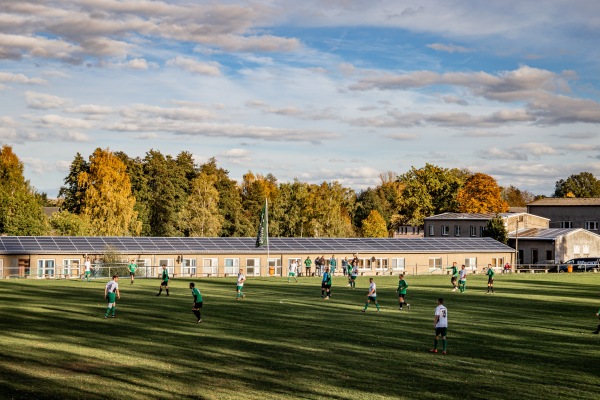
pixel 546 233
pixel 566 201
pixel 466 216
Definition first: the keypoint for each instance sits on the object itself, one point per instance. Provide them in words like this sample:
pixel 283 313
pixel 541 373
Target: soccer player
pixel 240 284
pixel 462 279
pixel 372 296
pixel 88 269
pixel 307 264
pixel 597 331
pixel 326 284
pixel 345 266
pixel 197 305
pixel 293 269
pixel 490 274
pixel 353 274
pixel 110 291
pixel 132 268
pixel 454 276
pixel 332 264
pixel 165 281
pixel 402 286
pixel 440 324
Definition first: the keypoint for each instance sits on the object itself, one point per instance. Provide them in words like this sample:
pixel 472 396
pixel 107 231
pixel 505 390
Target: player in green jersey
pixel 132 268
pixel 597 331
pixel 490 274
pixel 165 281
pixel 402 286
pixel 197 305
pixel 372 296
pixel 454 276
pixel 307 264
pixel 332 265
pixel 110 292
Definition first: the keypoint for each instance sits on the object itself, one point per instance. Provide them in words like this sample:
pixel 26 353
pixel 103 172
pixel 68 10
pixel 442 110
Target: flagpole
pixel 267 219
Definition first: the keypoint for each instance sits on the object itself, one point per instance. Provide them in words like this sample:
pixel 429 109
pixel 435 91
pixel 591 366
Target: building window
pixel 435 262
pixel 189 265
pixel 471 263
pixel 445 230
pixel 481 229
pixel 45 268
pixel 456 230
pixel 549 256
pixel 591 225
pixel 232 265
pixel 169 263
pixel 398 264
pixel 497 262
pixel 586 250
pixel 566 224
pixel 431 230
pixel 473 231
pixel 253 266
pixel 71 268
pixel 576 249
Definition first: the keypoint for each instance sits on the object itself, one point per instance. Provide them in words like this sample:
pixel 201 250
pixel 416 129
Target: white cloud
pixel 402 136
pixel 138 63
pixel 58 121
pixel 195 67
pixel 44 101
pixel 20 78
pixel 449 48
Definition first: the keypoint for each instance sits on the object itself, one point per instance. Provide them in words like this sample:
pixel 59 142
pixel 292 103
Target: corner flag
pixel 262 238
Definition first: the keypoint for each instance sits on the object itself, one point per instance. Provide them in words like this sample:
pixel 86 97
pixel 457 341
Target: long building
pixel 64 257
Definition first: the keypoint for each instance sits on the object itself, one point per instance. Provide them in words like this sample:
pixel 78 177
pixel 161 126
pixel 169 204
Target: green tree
pixel 64 223
pixel 287 214
pixel 481 194
pixel 108 202
pixel 200 216
pixel 73 193
pixel 328 209
pixel 495 229
pixel 583 184
pixel 374 226
pixel 21 209
pixel 516 197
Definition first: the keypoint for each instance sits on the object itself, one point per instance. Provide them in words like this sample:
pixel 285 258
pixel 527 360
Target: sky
pixel 330 90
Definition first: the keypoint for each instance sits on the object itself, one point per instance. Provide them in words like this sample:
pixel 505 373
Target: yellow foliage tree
pixel 481 194
pixel 200 216
pixel 374 226
pixel 108 201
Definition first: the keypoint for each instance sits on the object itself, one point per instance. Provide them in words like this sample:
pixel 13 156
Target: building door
pixel 534 256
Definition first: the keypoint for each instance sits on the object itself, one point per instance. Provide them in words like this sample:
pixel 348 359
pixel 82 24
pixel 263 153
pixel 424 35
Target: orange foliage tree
pixel 481 194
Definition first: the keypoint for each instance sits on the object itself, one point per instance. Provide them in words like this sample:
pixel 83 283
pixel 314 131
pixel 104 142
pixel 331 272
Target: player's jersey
pixel 88 266
pixel 454 270
pixel 463 275
pixel 111 287
pixel 373 289
pixel 442 313
pixel 327 278
pixel 197 295
pixel 332 262
pixel 307 262
pixel 165 275
pixel 132 267
pixel 293 268
pixel 354 271
pixel 490 273
pixel 402 285
pixel 241 278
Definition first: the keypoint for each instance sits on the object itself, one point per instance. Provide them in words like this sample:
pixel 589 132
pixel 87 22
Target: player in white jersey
pixel 88 269
pixel 372 296
pixel 110 291
pixel 240 284
pixel 440 323
pixel 292 272
pixel 462 279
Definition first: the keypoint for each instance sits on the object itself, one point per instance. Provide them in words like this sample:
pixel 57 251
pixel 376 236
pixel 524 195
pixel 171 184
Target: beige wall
pixel 526 221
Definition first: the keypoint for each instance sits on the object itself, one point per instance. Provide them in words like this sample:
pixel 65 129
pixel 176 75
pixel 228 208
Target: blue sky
pixel 315 90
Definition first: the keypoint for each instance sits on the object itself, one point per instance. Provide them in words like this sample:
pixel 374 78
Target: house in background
pixel 472 224
pixel 553 244
pixel 569 212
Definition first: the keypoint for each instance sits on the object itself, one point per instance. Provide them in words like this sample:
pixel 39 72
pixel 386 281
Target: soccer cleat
pixel 113 316
pixel 433 350
pixel 454 290
pixel 408 306
pixel 595 332
pixel 158 294
pixel 444 352
pixel 105 317
pixel 327 298
pixel 199 321
pixel 363 310
pixel 400 309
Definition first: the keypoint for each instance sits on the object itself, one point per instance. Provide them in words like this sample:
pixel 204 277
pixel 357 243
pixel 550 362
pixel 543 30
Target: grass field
pixel 530 340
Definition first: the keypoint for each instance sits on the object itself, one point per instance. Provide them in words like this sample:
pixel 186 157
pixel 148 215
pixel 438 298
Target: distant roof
pixel 468 216
pixel 546 233
pixel 517 210
pixel 566 201
pixel 181 245
pixel 51 210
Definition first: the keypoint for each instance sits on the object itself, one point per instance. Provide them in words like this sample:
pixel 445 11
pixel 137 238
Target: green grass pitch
pixel 530 340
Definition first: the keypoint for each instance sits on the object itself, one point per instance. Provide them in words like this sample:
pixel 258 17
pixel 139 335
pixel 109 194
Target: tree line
pixel 112 194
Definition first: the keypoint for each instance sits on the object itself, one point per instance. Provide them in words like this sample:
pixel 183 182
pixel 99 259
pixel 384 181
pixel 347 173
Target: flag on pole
pixel 262 238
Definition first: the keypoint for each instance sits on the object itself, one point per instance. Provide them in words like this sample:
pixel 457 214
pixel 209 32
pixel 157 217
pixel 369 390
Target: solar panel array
pixel 180 245
pixel 542 233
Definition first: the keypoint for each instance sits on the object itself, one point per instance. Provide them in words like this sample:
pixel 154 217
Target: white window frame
pixel 576 249
pixel 431 230
pixel 381 264
pixel 591 225
pixel 364 265
pixel 144 264
pixel 1 269
pixel 234 268
pixel 68 270
pixel 471 264
pixel 456 230
pixel 210 266
pixel 254 269
pixel 170 263
pixel 275 263
pixel 566 224
pixel 586 250
pixel 497 262
pixel 473 231
pixel 435 262
pixel 445 230
pixel 43 268
pixel 398 264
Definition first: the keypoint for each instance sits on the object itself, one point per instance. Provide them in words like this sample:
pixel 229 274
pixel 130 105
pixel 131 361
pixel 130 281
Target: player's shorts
pixel 197 306
pixel 460 281
pixel 353 277
pixel 131 273
pixel 240 287
pixel 325 286
pixel 292 274
pixel 372 298
pixel 110 296
pixel 441 331
pixel 164 283
pixel 490 281
pixel 453 279
pixel 87 273
pixel 403 295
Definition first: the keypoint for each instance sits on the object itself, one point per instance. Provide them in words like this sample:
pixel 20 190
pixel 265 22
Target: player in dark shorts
pixel 454 276
pixel 490 274
pixel 326 284
pixel 165 281
pixel 197 306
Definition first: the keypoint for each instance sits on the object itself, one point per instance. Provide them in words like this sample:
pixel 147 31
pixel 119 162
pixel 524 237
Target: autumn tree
pixel 108 202
pixel 21 209
pixel 200 215
pixel 287 214
pixel 328 210
pixel 516 197
pixel 583 184
pixel 139 189
pixel 374 226
pixel 495 229
pixel 73 193
pixel 481 194
pixel 65 223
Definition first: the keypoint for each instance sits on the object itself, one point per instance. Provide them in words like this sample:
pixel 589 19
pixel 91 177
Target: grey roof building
pixel 569 212
pixel 554 244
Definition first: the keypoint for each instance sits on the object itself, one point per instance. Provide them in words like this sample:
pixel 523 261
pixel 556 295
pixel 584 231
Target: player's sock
pixel 167 291
pixel 197 314
pixel 322 292
pixel 366 305
pixel 107 311
pixel 444 342
pixel 435 343
pixel 159 291
pixel 113 311
pixel 377 305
